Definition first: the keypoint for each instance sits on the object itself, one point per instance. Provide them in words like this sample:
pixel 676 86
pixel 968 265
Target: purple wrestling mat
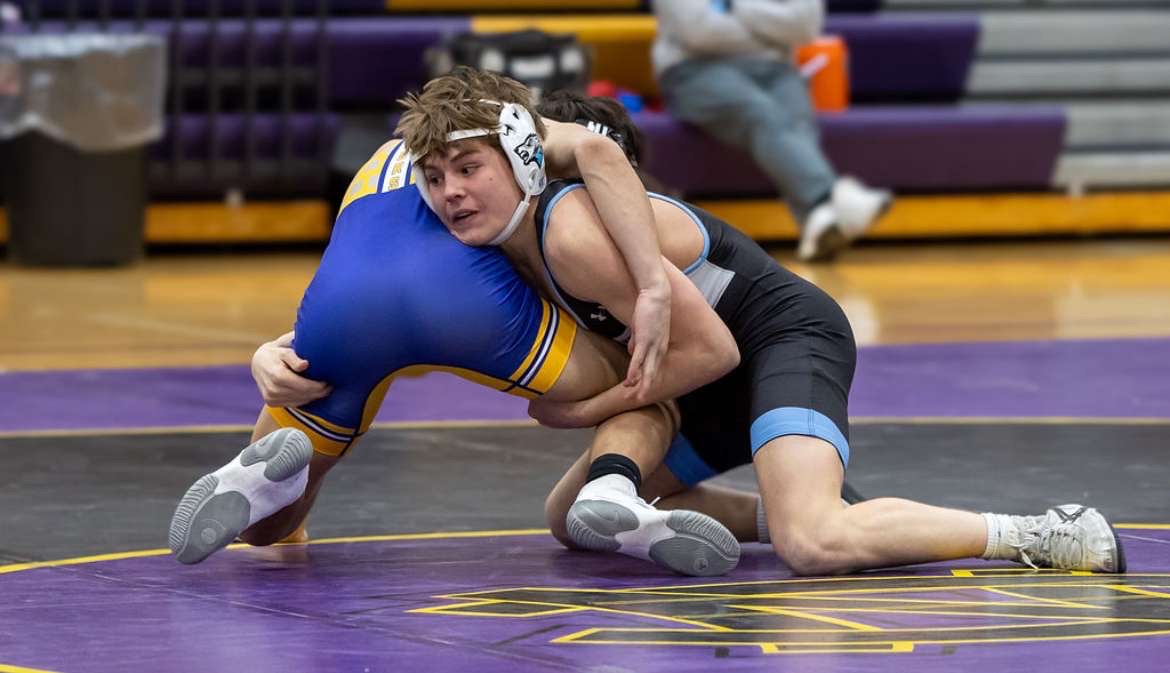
pixel 1119 378
pixel 508 602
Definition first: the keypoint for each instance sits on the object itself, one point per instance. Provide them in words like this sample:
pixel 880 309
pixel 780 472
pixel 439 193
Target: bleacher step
pixel 1122 76
pixel 1077 170
pixel 1083 33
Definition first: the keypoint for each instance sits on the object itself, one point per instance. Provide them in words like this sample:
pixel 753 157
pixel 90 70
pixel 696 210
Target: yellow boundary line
pixel 440 535
pixel 398 537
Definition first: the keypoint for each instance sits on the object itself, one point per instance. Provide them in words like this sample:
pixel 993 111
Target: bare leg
pixel 288 524
pixel 641 435
pixel 732 508
pixel 815 533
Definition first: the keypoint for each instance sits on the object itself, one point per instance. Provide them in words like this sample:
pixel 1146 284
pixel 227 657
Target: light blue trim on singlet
pixel 798 421
pixel 685 464
pixel 691 268
pixel 543 236
pixel 698 223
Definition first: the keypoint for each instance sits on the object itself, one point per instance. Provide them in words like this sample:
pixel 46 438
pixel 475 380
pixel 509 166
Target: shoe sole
pixel 1121 564
pixel 205 522
pixel 700 546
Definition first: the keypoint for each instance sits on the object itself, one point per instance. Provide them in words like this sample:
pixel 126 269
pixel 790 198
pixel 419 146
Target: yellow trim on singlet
pixel 549 354
pixel 554 356
pixel 323 444
pixel 558 356
pixel 545 314
pixel 366 181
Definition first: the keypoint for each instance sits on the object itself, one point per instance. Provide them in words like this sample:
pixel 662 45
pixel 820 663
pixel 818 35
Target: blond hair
pixel 461 100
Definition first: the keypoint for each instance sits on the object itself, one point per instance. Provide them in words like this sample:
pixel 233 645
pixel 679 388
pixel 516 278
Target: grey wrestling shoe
pixel 1070 537
pixel 686 542
pixel 266 477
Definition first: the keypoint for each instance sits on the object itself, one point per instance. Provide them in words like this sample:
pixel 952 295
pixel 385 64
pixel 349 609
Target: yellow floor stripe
pixel 5 668
pixel 974 215
pixel 912 217
pixel 118 556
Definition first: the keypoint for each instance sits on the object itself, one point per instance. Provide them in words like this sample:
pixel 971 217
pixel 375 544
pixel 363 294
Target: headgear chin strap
pixel 521 144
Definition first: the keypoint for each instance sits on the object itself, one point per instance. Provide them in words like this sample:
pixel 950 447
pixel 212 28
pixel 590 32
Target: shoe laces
pixel 1058 545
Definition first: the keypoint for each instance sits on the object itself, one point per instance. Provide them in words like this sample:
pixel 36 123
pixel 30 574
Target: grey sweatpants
pixel 761 106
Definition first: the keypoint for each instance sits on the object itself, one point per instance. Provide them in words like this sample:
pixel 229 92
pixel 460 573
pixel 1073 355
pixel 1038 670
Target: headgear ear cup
pixel 521 144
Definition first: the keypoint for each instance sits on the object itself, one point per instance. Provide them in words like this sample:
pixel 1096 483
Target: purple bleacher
pixel 907 57
pixel 267 129
pixel 375 62
pixel 311 139
pixel 935 148
pixel 372 62
pixel 199 8
pixel 55 8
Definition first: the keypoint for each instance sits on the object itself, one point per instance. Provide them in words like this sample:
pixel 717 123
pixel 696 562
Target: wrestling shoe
pixel 689 543
pixel 1069 537
pixel 266 477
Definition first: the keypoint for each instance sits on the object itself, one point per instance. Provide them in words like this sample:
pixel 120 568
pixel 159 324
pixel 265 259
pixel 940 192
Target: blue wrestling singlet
pixel 396 294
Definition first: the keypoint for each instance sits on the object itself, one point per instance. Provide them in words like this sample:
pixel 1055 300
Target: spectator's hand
pixel 649 339
pixel 276 368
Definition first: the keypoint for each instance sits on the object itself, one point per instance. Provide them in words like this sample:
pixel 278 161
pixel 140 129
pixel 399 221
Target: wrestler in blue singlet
pixel 396 294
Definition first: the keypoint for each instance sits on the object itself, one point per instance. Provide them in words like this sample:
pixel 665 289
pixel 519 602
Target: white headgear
pixel 521 144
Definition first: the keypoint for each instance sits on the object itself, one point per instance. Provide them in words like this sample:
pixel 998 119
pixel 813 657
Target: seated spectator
pixel 727 67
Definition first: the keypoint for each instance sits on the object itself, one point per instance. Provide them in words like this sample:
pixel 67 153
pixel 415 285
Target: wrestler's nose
pixel 453 188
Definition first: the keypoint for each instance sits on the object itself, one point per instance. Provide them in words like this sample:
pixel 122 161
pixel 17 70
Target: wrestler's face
pixel 473 190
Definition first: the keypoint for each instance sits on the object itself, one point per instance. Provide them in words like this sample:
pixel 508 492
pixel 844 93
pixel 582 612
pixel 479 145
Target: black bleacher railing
pixel 247 106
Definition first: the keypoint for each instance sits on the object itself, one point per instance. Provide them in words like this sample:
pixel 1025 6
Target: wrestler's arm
pixel 586 263
pixel 277 371
pixel 571 150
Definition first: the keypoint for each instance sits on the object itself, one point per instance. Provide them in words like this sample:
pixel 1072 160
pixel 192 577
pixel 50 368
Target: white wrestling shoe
pixel 689 543
pixel 1069 537
pixel 851 210
pixel 266 477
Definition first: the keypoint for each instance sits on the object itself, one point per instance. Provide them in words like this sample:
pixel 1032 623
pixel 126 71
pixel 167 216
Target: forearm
pixel 625 211
pixel 682 371
pixel 785 24
pixel 705 28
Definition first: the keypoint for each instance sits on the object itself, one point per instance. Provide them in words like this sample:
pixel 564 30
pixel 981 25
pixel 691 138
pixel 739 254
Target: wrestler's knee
pixel 812 550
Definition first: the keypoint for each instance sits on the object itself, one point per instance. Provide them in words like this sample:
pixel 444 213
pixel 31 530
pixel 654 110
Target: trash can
pixel 77 111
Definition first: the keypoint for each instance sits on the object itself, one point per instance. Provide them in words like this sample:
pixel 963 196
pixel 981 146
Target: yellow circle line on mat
pixel 118 556
pixel 439 535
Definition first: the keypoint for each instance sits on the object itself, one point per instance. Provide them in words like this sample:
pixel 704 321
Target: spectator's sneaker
pixel 1069 537
pixel 858 207
pixel 821 237
pixel 686 542
pixel 266 477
